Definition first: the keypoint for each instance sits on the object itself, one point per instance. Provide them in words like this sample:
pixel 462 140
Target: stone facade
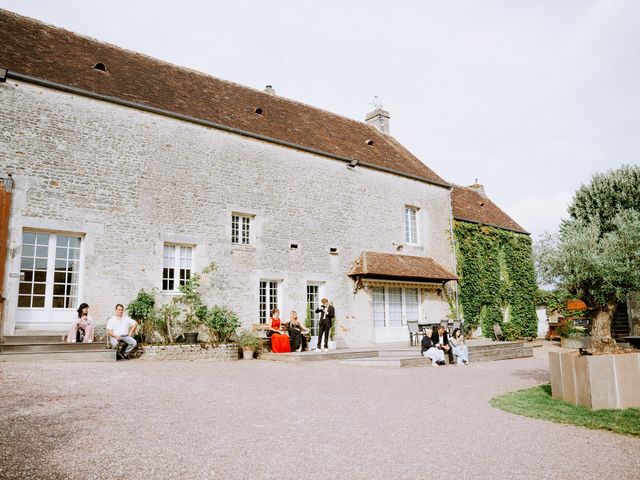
pixel 128 181
pixel 189 352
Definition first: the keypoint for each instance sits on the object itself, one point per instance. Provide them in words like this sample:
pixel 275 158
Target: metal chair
pixel 497 331
pixel 414 333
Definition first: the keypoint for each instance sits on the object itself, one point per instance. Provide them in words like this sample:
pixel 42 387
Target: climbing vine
pixel 497 280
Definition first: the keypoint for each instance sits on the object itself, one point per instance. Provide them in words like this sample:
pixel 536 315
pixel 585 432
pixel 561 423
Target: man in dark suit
pixel 441 340
pixel 327 312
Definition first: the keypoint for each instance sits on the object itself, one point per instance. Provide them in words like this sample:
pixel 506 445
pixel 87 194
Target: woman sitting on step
pixel 82 329
pixel 279 339
pixel 298 333
pixel 460 349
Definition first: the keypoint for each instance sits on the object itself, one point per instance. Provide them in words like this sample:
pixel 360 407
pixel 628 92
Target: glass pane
pixel 41 264
pixel 59 277
pixel 61 252
pixel 28 250
pixel 74 242
pixel 62 241
pixel 73 265
pixel 58 288
pixel 58 302
pixel 28 276
pixel 24 301
pixel 411 303
pixel 25 288
pixel 61 264
pixel 29 238
pixel 39 288
pixel 42 238
pixel 26 263
pixel 74 253
pixel 378 307
pixel 42 252
pixel 40 277
pixel 395 307
pixel 38 302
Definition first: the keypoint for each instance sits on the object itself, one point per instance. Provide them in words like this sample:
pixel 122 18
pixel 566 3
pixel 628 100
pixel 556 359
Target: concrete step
pixel 79 356
pixel 51 347
pixel 388 361
pixel 31 339
pixel 316 356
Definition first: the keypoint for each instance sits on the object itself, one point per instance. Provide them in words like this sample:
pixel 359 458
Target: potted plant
pixel 221 323
pixel 195 311
pixel 142 310
pixel 573 336
pixel 250 342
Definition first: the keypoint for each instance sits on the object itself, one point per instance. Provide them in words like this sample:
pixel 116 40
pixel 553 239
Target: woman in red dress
pixel 279 338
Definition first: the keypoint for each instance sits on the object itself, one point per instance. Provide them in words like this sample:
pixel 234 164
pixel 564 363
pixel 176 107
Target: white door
pixel 49 278
pixel 392 308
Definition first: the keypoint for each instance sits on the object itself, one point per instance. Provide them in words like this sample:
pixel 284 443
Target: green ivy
pixel 497 280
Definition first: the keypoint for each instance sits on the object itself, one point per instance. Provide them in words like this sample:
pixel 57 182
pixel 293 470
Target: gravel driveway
pixel 259 419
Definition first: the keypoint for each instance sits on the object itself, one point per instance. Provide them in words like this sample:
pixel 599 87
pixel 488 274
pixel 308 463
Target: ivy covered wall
pixel 497 280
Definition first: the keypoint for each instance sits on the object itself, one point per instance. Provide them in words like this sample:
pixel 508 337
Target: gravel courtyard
pixel 318 420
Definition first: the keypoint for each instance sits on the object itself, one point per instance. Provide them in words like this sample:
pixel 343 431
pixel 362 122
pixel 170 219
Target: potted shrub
pixel 573 336
pixel 142 310
pixel 250 342
pixel 221 323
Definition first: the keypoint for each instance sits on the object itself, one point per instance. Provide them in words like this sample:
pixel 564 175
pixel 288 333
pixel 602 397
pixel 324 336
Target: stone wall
pixel 128 181
pixel 189 352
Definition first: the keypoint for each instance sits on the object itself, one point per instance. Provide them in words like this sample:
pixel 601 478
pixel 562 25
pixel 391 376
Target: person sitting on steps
pixel 121 328
pixel 429 349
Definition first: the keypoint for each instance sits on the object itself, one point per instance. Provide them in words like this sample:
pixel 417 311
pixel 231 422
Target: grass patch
pixel 537 402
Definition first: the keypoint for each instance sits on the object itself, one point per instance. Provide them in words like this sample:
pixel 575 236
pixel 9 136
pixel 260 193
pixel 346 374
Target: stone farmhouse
pixel 121 172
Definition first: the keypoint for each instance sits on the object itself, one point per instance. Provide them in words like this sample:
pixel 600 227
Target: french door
pixel 49 278
pixel 393 307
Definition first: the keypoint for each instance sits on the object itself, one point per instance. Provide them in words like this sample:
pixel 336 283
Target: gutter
pixel 187 118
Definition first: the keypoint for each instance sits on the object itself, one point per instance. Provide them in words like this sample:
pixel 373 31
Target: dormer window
pixel 258 111
pixel 100 66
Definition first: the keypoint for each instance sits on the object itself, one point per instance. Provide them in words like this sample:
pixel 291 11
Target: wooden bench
pixel 266 341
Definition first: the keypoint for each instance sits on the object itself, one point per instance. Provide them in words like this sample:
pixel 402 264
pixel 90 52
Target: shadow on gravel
pixel 539 375
pixel 26 444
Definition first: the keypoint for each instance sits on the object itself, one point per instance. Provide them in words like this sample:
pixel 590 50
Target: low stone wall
pixel 189 352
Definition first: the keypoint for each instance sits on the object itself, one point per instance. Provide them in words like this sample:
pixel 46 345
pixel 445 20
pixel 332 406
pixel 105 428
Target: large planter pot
pixel 191 337
pixel 580 342
pixel 247 354
pixel 596 381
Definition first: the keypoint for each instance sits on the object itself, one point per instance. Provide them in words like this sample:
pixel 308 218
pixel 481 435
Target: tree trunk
pixel 601 340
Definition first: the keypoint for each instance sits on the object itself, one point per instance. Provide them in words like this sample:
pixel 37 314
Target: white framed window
pixel 313 303
pixel 177 265
pixel 49 271
pixel 268 298
pixel 240 229
pixel 394 306
pixel 411 225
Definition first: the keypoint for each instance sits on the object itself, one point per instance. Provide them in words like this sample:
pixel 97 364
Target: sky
pixel 528 97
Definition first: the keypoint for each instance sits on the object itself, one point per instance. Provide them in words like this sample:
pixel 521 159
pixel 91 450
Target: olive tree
pixel 596 255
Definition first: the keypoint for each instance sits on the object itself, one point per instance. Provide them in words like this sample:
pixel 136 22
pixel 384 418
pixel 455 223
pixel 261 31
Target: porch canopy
pixel 397 267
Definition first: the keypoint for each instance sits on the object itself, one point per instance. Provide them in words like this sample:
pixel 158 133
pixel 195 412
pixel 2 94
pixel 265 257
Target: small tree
pixel 596 255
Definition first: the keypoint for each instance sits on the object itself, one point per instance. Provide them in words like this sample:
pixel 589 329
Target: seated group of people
pixel 290 337
pixel 293 336
pixel 120 328
pixel 436 343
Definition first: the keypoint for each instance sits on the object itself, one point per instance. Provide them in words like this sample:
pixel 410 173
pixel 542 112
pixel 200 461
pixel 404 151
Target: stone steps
pixel 76 356
pixel 317 356
pixel 48 346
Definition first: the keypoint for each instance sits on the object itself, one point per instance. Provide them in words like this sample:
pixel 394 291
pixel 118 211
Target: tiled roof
pixel 46 52
pixel 394 266
pixel 471 206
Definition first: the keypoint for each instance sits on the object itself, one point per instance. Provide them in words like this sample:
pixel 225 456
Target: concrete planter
pixel 581 342
pixel 596 382
pixel 247 354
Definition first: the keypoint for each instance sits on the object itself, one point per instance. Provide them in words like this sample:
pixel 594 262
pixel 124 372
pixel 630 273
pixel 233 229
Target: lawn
pixel 537 402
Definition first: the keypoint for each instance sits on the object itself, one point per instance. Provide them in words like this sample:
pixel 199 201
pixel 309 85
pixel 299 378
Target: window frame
pixel 383 290
pixel 411 225
pixel 271 286
pixel 241 229
pixel 176 279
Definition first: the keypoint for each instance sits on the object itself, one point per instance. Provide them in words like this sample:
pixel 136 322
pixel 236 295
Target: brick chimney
pixel 379 118
pixel 478 188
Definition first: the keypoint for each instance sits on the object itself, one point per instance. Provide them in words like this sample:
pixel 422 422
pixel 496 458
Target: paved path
pixel 263 420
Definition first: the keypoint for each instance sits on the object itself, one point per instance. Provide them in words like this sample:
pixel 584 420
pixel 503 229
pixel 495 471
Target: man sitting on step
pixel 121 328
